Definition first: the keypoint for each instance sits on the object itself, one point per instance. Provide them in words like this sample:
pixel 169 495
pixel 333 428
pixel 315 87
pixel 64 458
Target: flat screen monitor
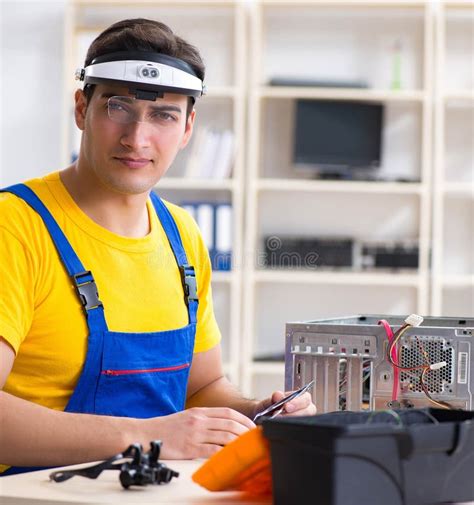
pixel 333 136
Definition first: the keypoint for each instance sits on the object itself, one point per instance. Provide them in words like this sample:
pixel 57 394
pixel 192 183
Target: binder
pixel 216 225
pixel 223 237
pixel 205 221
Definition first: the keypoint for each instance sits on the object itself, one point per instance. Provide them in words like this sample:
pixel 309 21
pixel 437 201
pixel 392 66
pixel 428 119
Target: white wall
pixel 31 62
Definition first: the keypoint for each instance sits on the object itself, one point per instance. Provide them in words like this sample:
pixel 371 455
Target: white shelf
pixel 279 204
pixel 457 281
pixel 341 94
pixel 345 3
pixel 339 278
pixel 148 3
pixel 195 184
pixel 301 185
pixel 457 4
pixel 465 189
pixel 268 368
pixel 460 96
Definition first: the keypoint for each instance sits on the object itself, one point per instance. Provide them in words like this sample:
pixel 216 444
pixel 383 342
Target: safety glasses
pixel 126 110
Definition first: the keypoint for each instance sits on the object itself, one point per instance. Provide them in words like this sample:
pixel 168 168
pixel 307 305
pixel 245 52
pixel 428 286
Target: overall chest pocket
pixel 144 375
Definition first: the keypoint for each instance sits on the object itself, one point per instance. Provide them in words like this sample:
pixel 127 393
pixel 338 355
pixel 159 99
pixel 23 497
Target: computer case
pixel 319 349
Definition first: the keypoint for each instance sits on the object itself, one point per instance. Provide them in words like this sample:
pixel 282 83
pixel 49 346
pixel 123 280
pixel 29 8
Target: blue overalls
pixel 139 375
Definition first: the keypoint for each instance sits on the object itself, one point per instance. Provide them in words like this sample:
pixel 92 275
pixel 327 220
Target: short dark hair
pixel 144 35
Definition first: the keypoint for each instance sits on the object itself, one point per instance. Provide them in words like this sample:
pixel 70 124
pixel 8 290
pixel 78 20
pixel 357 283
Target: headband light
pixel 148 75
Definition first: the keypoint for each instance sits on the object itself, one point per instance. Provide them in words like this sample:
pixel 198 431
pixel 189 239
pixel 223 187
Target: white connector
pixel 438 366
pixel 414 320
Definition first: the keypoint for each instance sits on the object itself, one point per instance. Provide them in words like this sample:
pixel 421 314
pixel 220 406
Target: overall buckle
pixel 87 290
pixel 188 280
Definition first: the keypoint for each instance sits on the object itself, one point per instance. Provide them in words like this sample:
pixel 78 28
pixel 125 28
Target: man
pixel 105 337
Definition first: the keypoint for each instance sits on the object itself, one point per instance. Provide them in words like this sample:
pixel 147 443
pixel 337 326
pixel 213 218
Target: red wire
pixel 394 355
pixel 425 368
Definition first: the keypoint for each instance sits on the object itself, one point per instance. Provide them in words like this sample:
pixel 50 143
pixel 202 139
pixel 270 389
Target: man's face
pixel 131 157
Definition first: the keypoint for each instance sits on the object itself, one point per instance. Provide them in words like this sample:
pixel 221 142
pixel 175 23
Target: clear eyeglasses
pixel 126 110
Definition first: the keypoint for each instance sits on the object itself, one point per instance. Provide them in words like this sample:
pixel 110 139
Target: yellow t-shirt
pixel 137 279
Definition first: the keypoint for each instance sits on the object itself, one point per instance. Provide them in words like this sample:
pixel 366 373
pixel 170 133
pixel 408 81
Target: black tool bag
pixel 396 457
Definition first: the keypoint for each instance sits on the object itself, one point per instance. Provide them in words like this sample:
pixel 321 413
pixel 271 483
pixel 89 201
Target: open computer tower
pixel 342 354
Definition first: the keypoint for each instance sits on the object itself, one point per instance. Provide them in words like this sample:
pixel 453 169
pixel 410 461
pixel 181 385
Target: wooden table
pixel 35 488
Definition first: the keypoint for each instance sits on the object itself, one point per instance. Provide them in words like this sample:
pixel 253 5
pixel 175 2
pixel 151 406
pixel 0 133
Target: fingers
pixel 301 406
pixel 207 450
pixel 217 437
pixel 229 414
pixel 277 396
pixel 227 425
pixel 219 427
pixel 202 431
pixel 264 404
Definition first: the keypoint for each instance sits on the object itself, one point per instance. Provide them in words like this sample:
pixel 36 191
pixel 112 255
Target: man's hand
pixel 300 406
pixel 198 432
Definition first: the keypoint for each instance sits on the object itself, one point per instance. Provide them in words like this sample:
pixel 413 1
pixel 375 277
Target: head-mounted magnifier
pixel 148 75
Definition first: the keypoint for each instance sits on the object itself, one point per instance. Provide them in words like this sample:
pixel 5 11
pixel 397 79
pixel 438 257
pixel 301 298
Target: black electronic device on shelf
pixel 308 252
pixel 391 256
pixel 338 139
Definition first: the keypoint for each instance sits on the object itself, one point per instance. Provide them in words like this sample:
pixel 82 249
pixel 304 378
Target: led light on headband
pixel 148 75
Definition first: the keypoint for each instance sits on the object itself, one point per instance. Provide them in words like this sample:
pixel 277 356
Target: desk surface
pixel 35 488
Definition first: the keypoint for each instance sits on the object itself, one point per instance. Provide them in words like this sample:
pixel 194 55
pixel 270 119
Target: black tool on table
pixel 143 469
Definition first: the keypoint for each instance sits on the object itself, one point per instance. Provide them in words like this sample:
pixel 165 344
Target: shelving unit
pixel 453 188
pixel 427 167
pixel 338 40
pixel 217 28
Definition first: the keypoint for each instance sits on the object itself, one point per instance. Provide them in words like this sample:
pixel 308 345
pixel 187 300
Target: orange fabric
pixel 257 479
pixel 244 465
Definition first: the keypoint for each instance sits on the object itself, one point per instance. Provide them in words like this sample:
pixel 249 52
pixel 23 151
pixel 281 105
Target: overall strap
pixel 82 279
pixel 188 275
